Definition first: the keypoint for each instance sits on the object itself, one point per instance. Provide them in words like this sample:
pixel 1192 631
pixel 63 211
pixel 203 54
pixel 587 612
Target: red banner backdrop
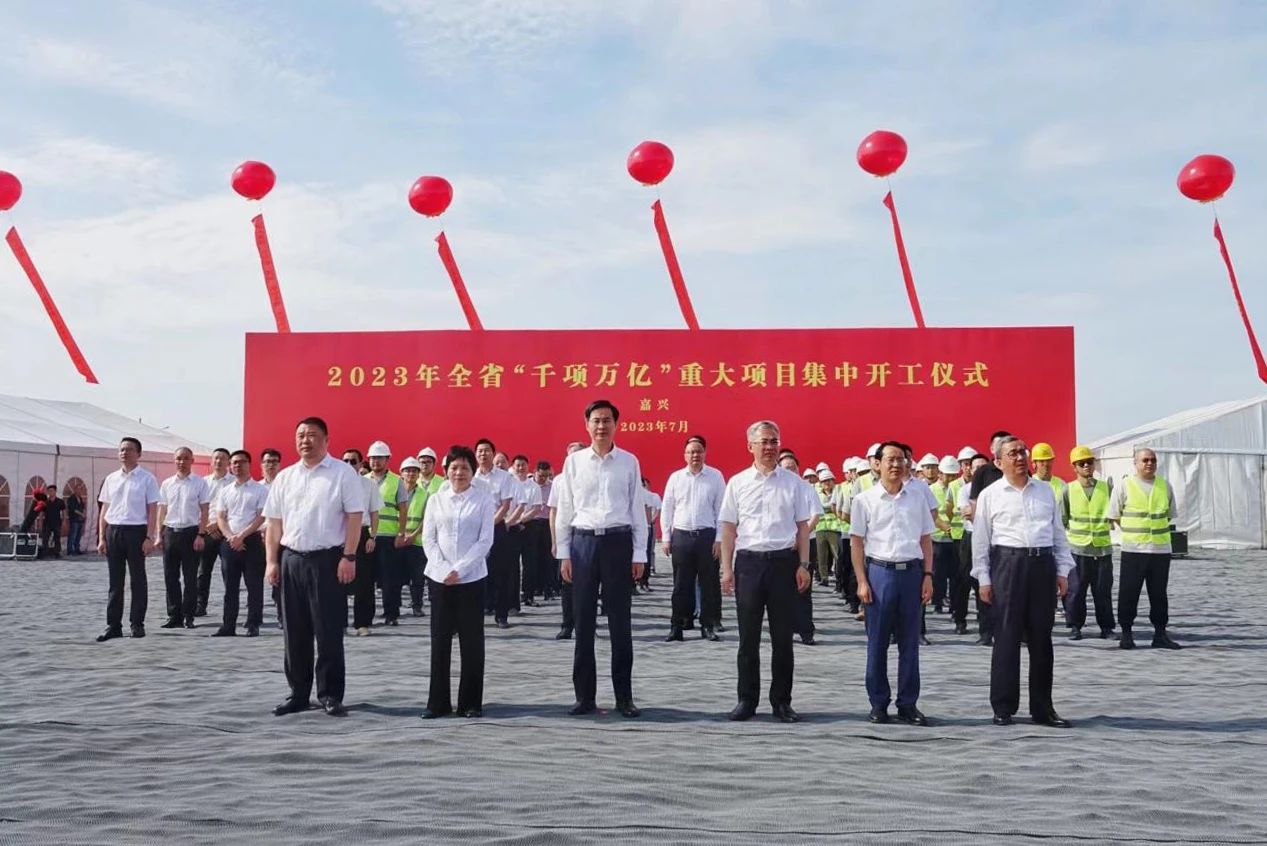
pixel 832 391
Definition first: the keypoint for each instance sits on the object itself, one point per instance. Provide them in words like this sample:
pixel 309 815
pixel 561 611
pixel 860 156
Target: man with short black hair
pixel 127 526
pixel 239 512
pixel 219 478
pixel 499 588
pixel 688 529
pixel 183 502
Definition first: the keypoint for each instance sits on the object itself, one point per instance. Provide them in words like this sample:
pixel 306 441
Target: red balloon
pixel 430 195
pixel 882 152
pixel 10 190
pixel 650 162
pixel 1206 178
pixel 253 180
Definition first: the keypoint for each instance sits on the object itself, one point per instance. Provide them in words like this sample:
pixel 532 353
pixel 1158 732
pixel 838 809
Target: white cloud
pixel 90 164
pixel 1060 146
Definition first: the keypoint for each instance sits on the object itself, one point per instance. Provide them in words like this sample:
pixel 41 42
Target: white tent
pixel 1216 459
pixel 72 444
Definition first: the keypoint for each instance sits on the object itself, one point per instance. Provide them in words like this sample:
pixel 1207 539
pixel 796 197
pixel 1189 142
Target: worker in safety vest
pixel 868 471
pixel 828 529
pixel 1143 507
pixel 387 557
pixel 945 551
pixel 1044 457
pixel 409 541
pixel 1085 509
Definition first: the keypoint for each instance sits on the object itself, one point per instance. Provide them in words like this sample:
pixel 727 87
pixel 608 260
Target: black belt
pixel 896 565
pixel 180 528
pixel 694 533
pixel 610 530
pixel 768 554
pixel 313 553
pixel 1027 551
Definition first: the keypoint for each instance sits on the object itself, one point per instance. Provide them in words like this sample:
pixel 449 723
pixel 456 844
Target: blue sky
pixel 1044 142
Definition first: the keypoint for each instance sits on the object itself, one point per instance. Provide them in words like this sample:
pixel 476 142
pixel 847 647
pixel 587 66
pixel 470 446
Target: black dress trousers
pixel 244 565
pixel 180 563
pixel 457 610
pixel 602 560
pixel 765 584
pixel 314 607
pixel 125 557
pixel 1024 604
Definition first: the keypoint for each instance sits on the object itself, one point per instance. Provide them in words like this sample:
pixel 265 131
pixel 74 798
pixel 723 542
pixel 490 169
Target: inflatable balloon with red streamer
pixel 650 163
pixel 881 154
pixel 1205 179
pixel 253 180
pixel 431 196
pixel 10 193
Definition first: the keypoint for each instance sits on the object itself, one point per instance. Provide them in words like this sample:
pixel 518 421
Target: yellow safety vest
pixel 866 481
pixel 1088 516
pixel 414 511
pixel 1146 517
pixel 829 522
pixel 940 491
pixel 956 519
pixel 389 517
pixel 1057 486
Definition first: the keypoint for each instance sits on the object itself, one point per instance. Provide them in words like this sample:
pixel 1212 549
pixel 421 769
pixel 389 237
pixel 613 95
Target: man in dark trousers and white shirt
pixel 892 553
pixel 239 510
pixel 688 526
pixel 601 538
pixel 128 529
pixel 183 502
pixel 765 525
pixel 1021 559
pixel 218 478
pixel 314 526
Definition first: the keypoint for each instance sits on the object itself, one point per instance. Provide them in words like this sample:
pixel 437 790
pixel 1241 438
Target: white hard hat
pixel 378 449
pixel 825 474
pixel 874 449
pixel 850 463
pixel 928 459
pixel 427 452
pixel 948 464
pixel 809 471
pixel 821 466
pixel 410 464
pixel 967 454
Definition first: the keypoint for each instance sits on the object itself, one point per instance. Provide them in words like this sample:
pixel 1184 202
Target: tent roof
pixel 38 422
pixel 1233 425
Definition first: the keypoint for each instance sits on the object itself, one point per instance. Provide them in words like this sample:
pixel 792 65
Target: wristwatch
pixel 805 565
pixel 928 574
pixel 349 556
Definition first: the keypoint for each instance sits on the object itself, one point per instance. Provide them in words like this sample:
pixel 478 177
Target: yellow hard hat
pixel 1042 452
pixel 1080 453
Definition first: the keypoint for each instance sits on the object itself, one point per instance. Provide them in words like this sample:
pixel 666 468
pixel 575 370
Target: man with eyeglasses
pixel 1021 559
pixel 362 587
pixel 765 526
pixel 1084 507
pixel 1144 508
pixel 271 464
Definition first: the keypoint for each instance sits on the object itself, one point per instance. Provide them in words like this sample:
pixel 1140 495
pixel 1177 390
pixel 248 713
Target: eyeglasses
pixel 766 442
pixel 1084 463
pixel 1016 453
pixel 354 462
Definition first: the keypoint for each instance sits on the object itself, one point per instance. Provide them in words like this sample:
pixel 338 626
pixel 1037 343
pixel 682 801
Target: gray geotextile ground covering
pixel 170 739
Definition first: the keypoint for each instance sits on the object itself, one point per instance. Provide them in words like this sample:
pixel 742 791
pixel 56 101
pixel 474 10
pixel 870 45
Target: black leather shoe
pixel 565 633
pixel 291 706
pixel 707 633
pixel 252 631
pixel 719 628
pixel 745 710
pixel 223 632
pixel 911 716
pixel 110 634
pixel 923 641
pixel 1002 719
pixel 1051 718
pixel 502 624
pixel 392 622
pixel 1161 640
pixel 333 707
pixel 675 633
pixel 1108 634
pixel 580 709
pixel 138 631
pixel 628 710
pixel 878 715
pixel 785 714
pixel 1127 641
pixel 200 611
pixel 1076 634
pixel 808 640
pixel 172 623
pixel 470 713
pixel 433 715
pixel 985 640
pixel 189 622
pixel 961 629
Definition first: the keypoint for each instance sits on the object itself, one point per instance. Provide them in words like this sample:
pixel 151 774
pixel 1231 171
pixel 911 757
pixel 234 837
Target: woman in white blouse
pixel 457 532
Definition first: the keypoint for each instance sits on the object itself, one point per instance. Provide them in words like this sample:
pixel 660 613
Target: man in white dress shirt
pixel 183 500
pixel 892 553
pixel 688 528
pixel 765 526
pixel 524 581
pixel 1021 559
pixel 218 478
pixel 127 526
pixel 500 586
pixel 314 525
pixel 362 587
pixel 565 588
pixel 601 538
pixel 239 510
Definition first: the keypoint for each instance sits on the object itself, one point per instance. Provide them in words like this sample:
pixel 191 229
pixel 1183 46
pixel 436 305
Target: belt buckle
pixel 900 565
pixel 599 532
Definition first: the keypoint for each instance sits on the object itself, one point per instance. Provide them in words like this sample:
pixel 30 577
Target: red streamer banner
pixel 906 265
pixel 270 275
pixel 464 298
pixel 675 269
pixel 1240 303
pixel 63 331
